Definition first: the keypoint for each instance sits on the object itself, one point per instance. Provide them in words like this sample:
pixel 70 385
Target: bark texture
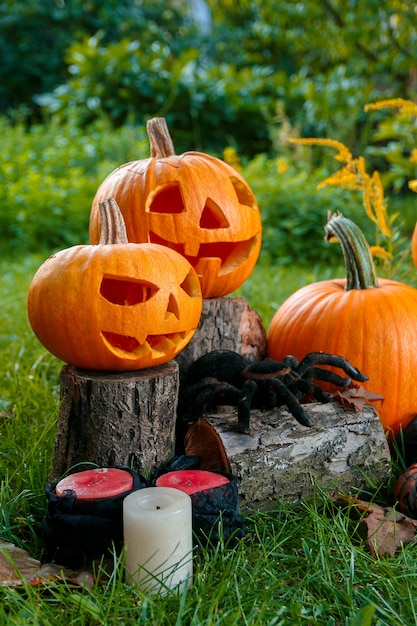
pixel 229 324
pixel 111 419
pixel 345 450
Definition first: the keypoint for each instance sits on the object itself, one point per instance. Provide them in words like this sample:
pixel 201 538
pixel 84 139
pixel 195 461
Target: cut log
pixel 280 459
pixel 228 324
pixel 109 419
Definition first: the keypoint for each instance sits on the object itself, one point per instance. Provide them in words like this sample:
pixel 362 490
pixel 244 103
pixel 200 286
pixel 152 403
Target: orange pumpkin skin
pixel 195 204
pixel 405 492
pixel 115 306
pixel 414 246
pixel 375 329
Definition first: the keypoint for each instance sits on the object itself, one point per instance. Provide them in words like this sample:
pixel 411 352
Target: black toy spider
pixel 225 377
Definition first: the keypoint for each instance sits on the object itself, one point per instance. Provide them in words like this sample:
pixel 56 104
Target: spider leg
pixel 208 392
pixel 287 397
pixel 326 375
pixel 306 387
pixel 189 394
pixel 244 404
pixel 291 361
pixel 323 358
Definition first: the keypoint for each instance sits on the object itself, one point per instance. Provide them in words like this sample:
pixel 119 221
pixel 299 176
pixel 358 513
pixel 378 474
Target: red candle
pixel 191 481
pixel 98 483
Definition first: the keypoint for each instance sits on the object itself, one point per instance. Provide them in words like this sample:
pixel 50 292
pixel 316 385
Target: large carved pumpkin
pixel 369 320
pixel 193 203
pixel 115 305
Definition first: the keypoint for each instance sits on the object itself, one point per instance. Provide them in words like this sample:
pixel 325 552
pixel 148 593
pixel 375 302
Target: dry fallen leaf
pixel 18 567
pixel 387 528
pixel 358 396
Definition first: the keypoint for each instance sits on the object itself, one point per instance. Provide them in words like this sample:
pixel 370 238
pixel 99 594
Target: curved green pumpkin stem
pixel 113 228
pixel 360 267
pixel 159 138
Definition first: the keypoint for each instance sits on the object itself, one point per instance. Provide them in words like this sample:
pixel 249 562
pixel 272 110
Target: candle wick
pixel 189 482
pixel 157 506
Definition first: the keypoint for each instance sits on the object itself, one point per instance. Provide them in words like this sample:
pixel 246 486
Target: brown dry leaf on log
pixel 357 396
pixel 17 567
pixel 386 528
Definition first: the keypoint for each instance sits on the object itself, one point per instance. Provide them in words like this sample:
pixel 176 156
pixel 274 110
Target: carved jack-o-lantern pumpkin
pixel 193 203
pixel 115 305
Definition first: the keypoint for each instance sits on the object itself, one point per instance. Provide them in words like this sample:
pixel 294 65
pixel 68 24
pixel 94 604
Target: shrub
pixel 294 211
pixel 48 178
pixel 129 81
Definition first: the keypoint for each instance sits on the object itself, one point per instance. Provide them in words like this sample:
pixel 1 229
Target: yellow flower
pixel 354 176
pixel 412 184
pixel 342 178
pixel 343 155
pixel 405 106
pixel 231 157
pixel 282 165
pixel 378 251
pixel 374 202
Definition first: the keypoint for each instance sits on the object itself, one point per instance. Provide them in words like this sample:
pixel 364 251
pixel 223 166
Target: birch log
pixel 345 450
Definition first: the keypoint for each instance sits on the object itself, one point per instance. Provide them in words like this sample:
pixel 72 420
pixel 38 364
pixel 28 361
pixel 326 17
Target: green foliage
pixel 395 148
pixel 218 81
pixel 48 179
pixel 204 104
pixel 35 34
pixel 49 175
pixel 336 56
pixel 294 212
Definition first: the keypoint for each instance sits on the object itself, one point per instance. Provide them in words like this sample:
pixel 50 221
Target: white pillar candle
pixel 157 524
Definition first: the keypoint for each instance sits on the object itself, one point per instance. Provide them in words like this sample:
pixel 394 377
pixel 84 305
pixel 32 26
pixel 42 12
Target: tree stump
pixel 228 324
pixel 110 419
pixel 345 450
pixel 129 418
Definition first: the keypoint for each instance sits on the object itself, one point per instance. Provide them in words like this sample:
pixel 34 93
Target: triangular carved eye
pixel 166 200
pixel 244 195
pixel 191 285
pixel 213 217
pixel 126 292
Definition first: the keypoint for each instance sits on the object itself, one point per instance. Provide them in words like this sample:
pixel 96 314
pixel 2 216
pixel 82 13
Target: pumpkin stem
pixel 159 138
pixel 113 228
pixel 360 267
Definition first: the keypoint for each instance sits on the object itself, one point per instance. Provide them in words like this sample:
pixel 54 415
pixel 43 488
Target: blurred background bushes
pixel 79 79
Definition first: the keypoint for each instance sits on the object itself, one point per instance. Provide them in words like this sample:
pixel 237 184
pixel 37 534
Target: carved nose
pixel 213 217
pixel 173 306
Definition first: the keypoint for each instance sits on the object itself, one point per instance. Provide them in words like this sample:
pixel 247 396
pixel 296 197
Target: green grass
pixel 297 564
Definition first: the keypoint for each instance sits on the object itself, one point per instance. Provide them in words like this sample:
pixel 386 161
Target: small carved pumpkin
pixel 115 305
pixel 193 203
pixel 405 492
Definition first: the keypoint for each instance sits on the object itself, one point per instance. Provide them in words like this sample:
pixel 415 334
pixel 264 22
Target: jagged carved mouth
pixel 228 255
pixel 154 344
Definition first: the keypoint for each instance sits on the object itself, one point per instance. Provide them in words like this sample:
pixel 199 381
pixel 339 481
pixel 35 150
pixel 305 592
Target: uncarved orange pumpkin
pixel 115 305
pixel 193 203
pixel 370 321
